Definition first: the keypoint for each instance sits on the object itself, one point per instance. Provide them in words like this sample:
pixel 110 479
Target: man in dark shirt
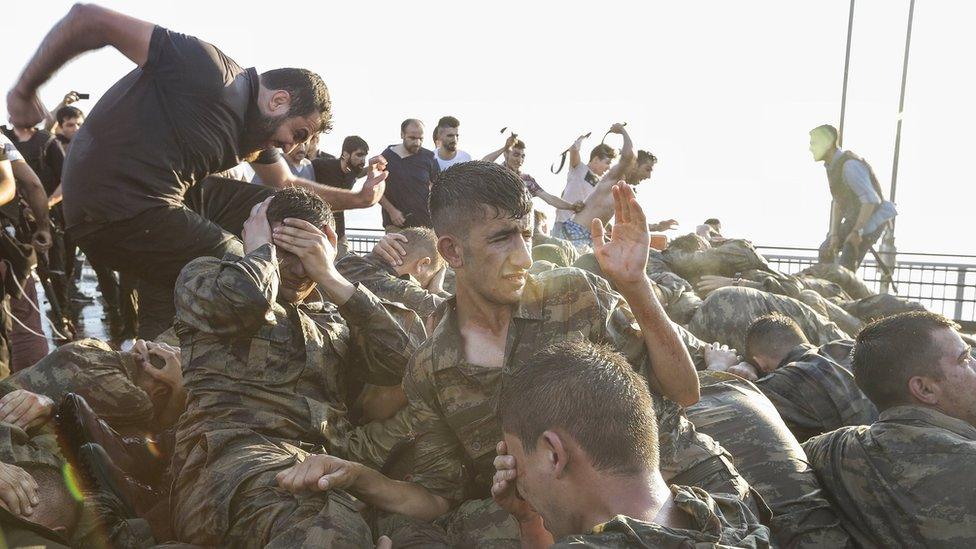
pixel 342 173
pixel 185 112
pixel 412 168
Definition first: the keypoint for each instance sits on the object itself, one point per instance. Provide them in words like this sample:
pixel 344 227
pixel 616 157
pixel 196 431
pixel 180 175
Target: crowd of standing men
pixel 477 379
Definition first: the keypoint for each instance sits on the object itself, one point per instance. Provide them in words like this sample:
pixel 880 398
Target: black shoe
pixel 78 425
pixel 101 474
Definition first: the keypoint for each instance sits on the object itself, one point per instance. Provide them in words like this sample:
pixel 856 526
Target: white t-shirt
pixel 8 151
pixel 577 188
pixel 461 156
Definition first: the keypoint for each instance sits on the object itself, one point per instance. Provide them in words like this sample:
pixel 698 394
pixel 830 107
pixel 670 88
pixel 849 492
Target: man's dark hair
pixel 690 242
pixel 409 122
pixel 354 143
pixel 538 217
pixel 773 335
pixel 296 202
pixel 462 191
pixel 519 144
pixel 644 156
pixel 66 113
pixel 890 351
pixel 448 122
pixel 828 129
pixel 308 93
pixel 713 222
pixel 603 151
pixel 589 392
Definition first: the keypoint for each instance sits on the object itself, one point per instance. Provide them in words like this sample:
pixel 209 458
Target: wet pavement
pixel 88 316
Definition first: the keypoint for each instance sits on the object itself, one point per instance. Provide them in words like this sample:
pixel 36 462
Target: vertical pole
pixel 888 250
pixel 847 68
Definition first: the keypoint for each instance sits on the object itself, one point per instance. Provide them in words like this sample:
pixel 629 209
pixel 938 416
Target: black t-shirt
pixel 328 171
pixel 157 131
pixel 43 153
pixel 408 185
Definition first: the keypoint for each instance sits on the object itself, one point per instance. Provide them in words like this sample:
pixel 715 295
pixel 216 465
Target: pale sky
pixel 723 93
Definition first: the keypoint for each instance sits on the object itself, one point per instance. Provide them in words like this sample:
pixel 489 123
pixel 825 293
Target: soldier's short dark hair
pixel 409 122
pixel 297 203
pixel 773 334
pixel 713 222
pixel 644 156
pixel 67 113
pixel 890 351
pixel 463 191
pixel 603 151
pixel 354 143
pixel 827 129
pixel 589 392
pixel 308 93
pixel 422 242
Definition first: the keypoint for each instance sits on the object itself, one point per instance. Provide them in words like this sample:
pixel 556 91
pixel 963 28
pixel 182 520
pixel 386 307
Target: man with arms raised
pixel 514 155
pixel 499 318
pixel 909 479
pixel 185 112
pixel 578 465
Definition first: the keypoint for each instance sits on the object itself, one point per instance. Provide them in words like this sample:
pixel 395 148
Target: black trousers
pixel 156 244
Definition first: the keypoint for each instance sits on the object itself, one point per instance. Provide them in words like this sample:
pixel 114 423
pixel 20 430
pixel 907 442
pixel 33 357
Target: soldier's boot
pixel 78 425
pixel 102 474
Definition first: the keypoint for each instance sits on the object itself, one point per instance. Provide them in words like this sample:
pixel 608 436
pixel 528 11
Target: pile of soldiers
pixel 303 400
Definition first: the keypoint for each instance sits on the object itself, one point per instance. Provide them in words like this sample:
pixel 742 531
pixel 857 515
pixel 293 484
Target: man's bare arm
pixel 574 152
pixel 86 27
pixel 8 187
pixel 36 197
pixel 627 157
pixel 278 176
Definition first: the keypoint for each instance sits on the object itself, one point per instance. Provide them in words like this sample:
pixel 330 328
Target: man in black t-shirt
pixel 185 112
pixel 412 168
pixel 342 172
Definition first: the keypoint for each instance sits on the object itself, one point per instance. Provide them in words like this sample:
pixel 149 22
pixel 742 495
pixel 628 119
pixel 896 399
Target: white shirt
pixel 10 151
pixel 577 188
pixel 461 156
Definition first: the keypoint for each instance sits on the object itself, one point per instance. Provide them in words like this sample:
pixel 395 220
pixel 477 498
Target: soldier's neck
pixel 643 497
pixel 476 312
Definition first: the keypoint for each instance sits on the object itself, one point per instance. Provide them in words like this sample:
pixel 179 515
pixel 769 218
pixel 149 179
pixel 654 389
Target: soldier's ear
pixel 924 390
pixel 451 250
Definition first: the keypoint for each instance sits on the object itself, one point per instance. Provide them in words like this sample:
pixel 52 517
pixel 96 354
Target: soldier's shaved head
pixel 470 192
pixel 770 338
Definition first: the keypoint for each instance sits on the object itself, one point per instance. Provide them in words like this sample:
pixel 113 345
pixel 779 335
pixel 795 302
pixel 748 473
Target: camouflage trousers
pixel 736 414
pixel 225 493
pixel 477 523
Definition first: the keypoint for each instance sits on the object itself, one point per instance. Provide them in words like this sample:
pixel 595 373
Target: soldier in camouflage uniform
pixel 580 447
pixel 842 276
pixel 267 373
pixel 452 380
pixel 812 392
pixel 727 313
pixel 908 479
pixel 735 413
pixel 416 281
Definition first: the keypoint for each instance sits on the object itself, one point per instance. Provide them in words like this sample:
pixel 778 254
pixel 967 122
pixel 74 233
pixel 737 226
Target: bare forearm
pixel 393 496
pixel 627 152
pixel 55 197
pixel 33 192
pixel 555 201
pixel 387 205
pixel 863 215
pixel 73 35
pixel 338 199
pixel 671 366
pixel 834 217
pixel 534 535
pixel 493 156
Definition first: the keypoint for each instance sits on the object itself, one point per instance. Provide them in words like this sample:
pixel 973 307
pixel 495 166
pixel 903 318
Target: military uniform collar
pixel 381 264
pixel 930 416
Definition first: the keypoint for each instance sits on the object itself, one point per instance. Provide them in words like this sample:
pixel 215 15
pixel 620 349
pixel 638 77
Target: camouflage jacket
pixel 909 480
pixel 726 314
pixel 453 402
pixel 720 521
pixel 91 368
pixel 280 370
pixel 569 251
pixel 728 259
pixel 381 279
pixel 815 395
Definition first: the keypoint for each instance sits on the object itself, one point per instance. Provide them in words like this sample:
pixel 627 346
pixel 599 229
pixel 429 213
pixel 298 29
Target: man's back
pixel 716 521
pixel 157 131
pixel 907 480
pixel 815 395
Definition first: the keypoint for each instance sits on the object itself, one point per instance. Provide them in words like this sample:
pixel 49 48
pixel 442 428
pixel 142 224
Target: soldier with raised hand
pixel 909 479
pixel 500 316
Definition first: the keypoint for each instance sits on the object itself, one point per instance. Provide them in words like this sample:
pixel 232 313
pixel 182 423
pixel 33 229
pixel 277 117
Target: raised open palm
pixel 624 258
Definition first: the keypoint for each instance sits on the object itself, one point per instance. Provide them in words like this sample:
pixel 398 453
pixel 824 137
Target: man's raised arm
pixel 86 27
pixel 627 155
pixel 278 176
